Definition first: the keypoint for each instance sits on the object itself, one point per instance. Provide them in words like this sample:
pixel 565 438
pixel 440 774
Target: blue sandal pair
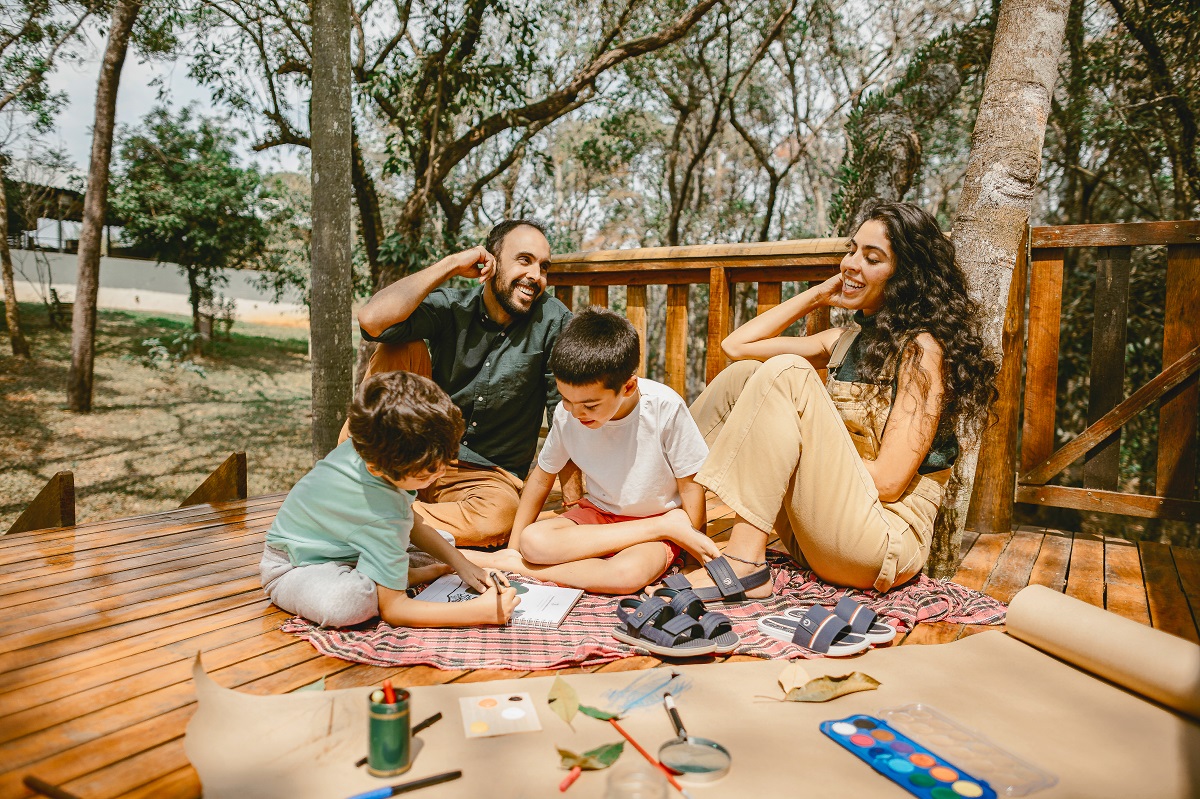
pixel 674 623
pixel 848 629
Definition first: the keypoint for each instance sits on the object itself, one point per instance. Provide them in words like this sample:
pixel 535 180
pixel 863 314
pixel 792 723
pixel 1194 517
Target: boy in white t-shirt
pixel 638 449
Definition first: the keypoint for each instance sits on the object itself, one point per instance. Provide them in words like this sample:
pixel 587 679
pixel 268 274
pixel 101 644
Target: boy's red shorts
pixel 587 513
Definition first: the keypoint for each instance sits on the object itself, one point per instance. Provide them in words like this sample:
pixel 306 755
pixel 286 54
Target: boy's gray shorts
pixel 330 594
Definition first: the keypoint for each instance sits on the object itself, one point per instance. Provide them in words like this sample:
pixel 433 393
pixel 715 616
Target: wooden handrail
pixel 1124 234
pixel 795 252
pixel 226 483
pixel 1112 421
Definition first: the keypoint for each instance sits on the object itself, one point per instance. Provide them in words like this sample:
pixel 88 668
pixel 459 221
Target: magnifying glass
pixel 694 760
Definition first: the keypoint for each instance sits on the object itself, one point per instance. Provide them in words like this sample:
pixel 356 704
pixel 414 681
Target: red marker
pixel 389 693
pixel 569 780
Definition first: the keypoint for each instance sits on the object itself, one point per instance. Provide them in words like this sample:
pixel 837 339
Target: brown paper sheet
pixel 1099 740
pixel 1157 665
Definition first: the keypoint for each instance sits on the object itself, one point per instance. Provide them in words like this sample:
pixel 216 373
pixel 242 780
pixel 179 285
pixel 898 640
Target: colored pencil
pixel 650 758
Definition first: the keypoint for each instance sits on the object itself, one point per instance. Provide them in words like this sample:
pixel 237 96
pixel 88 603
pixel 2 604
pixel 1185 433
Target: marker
pixel 427 723
pixel 405 787
pixel 389 693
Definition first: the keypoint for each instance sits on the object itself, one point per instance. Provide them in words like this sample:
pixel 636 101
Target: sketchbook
pixel 541 605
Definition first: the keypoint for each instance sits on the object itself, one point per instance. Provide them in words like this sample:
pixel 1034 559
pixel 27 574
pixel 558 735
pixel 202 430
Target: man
pixel 488 348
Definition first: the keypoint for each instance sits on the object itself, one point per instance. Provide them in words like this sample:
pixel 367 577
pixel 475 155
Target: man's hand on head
pixel 476 262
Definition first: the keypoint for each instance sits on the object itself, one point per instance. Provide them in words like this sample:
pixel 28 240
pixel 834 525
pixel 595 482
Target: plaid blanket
pixel 584 637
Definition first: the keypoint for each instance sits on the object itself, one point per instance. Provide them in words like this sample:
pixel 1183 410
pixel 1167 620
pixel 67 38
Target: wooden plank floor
pixel 100 622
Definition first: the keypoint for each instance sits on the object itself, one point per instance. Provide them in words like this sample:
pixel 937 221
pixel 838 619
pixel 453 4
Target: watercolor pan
pixel 903 761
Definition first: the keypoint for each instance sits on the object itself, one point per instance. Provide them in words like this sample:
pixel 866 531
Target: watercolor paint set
pixel 903 761
pixel 932 757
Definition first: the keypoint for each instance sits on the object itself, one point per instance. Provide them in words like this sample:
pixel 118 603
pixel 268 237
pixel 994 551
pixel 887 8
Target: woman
pixel 851 473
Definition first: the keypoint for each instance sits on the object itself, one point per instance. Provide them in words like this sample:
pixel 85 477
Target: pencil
pixel 670 777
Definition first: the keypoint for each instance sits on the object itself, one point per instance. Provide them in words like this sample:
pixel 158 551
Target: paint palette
pixel 906 763
pixel 1008 774
pixel 498 714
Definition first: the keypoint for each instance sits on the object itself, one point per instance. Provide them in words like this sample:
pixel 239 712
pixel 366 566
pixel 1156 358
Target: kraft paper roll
pixel 1155 664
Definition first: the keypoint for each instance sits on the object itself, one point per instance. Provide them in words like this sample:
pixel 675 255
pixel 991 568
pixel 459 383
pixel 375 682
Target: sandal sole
pixel 662 651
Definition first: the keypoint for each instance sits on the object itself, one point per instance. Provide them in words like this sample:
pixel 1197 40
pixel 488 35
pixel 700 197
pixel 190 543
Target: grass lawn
pixel 153 434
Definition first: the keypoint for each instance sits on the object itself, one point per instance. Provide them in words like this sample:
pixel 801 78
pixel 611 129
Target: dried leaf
pixel 823 689
pixel 593 760
pixel 596 713
pixel 793 676
pixel 563 700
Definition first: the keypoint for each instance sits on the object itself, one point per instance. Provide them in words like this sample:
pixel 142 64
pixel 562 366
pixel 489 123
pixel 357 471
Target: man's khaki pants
pixel 780 456
pixel 475 504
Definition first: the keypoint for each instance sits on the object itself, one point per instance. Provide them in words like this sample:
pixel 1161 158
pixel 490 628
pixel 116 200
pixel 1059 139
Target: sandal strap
pixel 712 623
pixel 857 615
pixel 686 601
pixel 677 581
pixel 682 624
pixel 817 629
pixel 636 618
pixel 723 576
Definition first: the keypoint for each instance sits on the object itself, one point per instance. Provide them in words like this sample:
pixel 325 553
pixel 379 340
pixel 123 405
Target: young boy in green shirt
pixel 337 552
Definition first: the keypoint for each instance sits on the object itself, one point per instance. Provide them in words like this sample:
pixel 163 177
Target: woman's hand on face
pixel 830 292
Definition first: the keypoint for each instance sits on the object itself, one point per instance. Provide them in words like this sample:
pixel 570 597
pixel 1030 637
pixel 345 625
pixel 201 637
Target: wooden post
pixel 1106 385
pixel 1177 434
pixel 598 296
pixel 226 483
pixel 565 295
pixel 1041 369
pixel 995 478
pixel 769 295
pixel 635 312
pixel 718 320
pixel 676 335
pixel 54 506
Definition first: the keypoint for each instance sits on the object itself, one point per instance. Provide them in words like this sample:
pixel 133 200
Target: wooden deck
pixel 99 624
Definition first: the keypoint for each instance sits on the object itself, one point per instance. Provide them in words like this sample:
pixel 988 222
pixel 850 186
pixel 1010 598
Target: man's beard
pixel 504 295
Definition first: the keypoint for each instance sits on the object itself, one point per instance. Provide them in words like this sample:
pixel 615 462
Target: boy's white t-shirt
pixel 631 464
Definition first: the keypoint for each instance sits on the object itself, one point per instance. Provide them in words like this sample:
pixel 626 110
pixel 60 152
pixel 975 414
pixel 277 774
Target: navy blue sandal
pixel 717 626
pixel 728 586
pixel 862 620
pixel 655 626
pixel 818 630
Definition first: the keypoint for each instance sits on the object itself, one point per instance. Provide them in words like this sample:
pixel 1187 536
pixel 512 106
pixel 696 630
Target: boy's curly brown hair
pixel 404 424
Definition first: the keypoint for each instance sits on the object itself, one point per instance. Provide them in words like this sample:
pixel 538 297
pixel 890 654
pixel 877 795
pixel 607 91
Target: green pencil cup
pixel 390 737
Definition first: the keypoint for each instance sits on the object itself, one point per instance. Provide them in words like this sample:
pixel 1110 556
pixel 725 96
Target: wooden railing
pixel 1175 388
pixel 720 266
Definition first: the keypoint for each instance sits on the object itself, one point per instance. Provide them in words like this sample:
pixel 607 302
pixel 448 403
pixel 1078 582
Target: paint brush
pixel 650 758
pixel 405 787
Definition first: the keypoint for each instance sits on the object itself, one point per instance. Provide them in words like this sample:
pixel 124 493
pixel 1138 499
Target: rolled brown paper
pixel 1153 663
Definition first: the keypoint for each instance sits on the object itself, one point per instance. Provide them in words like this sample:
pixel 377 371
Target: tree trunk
pixel 998 189
pixel 194 301
pixel 330 120
pixel 370 217
pixel 12 314
pixel 95 207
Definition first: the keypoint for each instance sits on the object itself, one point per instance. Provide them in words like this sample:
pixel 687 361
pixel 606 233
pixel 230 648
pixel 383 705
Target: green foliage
pixel 171 355
pixel 187 201
pixel 35 36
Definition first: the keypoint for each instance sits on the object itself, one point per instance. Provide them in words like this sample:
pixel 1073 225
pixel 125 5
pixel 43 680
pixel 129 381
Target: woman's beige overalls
pixel 786 452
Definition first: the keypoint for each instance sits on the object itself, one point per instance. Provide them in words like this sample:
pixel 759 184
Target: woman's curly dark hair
pixel 927 293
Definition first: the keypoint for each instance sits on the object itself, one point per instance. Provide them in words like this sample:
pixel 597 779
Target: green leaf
pixel 593 760
pixel 823 689
pixel 563 700
pixel 596 713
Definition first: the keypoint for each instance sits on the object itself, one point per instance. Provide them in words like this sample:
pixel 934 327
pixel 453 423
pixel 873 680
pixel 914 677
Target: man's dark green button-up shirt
pixel 498 376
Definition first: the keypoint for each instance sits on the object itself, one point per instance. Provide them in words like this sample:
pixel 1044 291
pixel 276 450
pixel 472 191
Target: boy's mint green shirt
pixel 341 512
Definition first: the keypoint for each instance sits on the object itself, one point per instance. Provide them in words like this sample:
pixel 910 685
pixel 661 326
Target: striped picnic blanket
pixel 584 637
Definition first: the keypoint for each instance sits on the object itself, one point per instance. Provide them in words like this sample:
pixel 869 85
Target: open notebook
pixel 541 605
